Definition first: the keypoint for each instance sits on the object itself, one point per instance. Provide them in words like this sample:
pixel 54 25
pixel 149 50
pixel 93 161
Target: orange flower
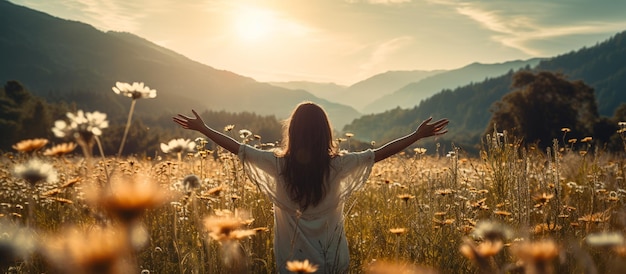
pixel 60 149
pixel 301 266
pixel 398 231
pixel 128 199
pixel 30 145
pixel 98 250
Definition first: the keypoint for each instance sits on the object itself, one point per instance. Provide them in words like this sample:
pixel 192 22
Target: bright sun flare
pixel 254 24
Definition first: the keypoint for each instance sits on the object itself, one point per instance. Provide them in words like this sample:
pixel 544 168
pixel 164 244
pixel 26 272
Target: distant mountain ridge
pixel 68 60
pixel 363 92
pixel 410 95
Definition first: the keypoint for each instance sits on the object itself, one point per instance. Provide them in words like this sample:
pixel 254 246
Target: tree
pixel 543 103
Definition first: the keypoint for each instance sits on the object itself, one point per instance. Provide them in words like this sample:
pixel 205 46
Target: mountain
pixel 363 92
pixel 410 95
pixel 71 61
pixel 328 91
pixel 603 67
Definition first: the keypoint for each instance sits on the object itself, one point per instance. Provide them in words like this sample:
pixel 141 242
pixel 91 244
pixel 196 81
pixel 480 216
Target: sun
pixel 254 23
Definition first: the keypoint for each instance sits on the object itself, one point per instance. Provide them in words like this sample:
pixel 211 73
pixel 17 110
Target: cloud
pixel 525 27
pixel 383 51
pixel 383 2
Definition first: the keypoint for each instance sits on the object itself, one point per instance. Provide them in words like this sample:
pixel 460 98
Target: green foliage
pixel 22 115
pixel 543 104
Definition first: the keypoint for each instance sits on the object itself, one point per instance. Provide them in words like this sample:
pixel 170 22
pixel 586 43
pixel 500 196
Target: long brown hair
pixel 308 147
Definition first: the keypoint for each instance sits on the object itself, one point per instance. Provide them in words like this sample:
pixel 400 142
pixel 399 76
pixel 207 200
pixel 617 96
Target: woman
pixel 309 181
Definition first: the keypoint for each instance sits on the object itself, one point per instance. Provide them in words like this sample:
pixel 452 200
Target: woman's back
pixel 317 233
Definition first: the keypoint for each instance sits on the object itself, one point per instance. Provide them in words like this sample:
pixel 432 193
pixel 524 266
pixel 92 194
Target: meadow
pixel 511 210
pixel 190 208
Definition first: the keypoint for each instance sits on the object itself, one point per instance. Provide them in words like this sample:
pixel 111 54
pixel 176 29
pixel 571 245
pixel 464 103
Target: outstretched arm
pixel 426 129
pixel 198 124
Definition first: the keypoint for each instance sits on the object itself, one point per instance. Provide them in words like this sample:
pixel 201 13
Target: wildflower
pixel 60 149
pixel 545 227
pixel 444 192
pixel 16 243
pixel 491 231
pixel 220 228
pixel 419 150
pixel 544 198
pixel 397 231
pixel 98 250
pixel 502 213
pixel 35 171
pixel 484 249
pixel 536 255
pixel 480 254
pixel 587 139
pixel 130 197
pixel 598 217
pixel 30 145
pixel 605 239
pixel 480 204
pixel 83 123
pixel 244 134
pixel 565 129
pixel 215 191
pixel 191 182
pixel 240 234
pixel 134 91
pixel 405 197
pixel 229 128
pixel 385 267
pixel 349 135
pixel 178 146
pixel 301 266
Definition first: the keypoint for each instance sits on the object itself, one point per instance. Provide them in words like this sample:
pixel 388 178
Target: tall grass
pixel 514 209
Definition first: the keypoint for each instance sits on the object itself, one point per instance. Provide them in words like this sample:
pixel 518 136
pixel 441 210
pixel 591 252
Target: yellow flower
pixel 535 252
pixel 444 192
pixel 98 250
pixel 129 198
pixel 60 149
pixel 301 266
pixel 30 145
pixel 587 139
pixel 398 231
pixel 405 197
pixel 225 228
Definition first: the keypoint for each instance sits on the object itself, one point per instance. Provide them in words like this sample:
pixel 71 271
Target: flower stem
pixel 130 115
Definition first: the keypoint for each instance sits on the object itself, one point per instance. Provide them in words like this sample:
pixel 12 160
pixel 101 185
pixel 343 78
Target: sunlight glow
pixel 254 24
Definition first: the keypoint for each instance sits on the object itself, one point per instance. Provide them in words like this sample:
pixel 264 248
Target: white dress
pixel 316 234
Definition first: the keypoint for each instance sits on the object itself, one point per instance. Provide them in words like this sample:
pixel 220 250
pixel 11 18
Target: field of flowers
pixel 192 210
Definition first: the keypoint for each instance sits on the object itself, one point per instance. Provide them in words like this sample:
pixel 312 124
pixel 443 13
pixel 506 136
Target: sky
pixel 346 41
